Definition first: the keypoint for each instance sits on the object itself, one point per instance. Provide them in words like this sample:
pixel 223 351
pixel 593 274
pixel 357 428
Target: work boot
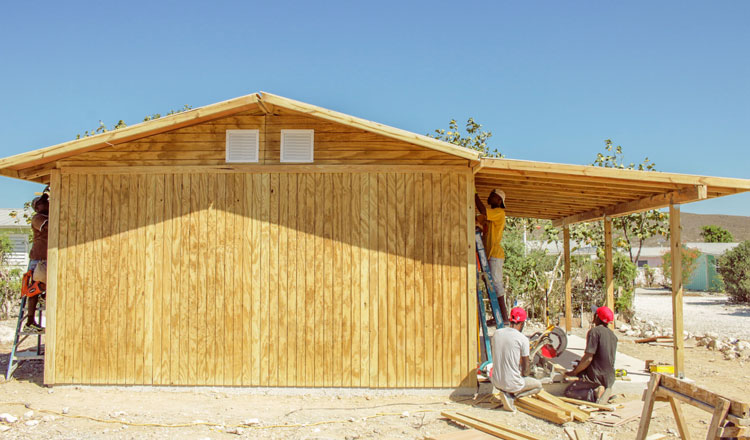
pixel 507 401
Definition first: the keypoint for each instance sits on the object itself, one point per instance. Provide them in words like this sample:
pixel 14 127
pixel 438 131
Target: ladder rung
pixel 31 333
pixel 26 356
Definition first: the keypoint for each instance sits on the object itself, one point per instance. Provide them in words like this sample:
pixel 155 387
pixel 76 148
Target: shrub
pixel 689 263
pixel 624 272
pixel 10 280
pixel 716 234
pixel 649 275
pixel 734 268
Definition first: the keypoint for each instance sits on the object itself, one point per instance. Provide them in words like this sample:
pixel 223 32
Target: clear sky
pixel 552 80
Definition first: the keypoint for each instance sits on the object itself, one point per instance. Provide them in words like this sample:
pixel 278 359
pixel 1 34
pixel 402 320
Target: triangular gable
pixel 262 102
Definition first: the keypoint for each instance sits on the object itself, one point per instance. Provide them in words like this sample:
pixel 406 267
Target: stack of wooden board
pixel 551 408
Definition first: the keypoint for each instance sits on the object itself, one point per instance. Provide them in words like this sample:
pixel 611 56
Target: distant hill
pixel 738 226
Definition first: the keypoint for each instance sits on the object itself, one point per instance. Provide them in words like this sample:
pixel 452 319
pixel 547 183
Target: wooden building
pixel 262 241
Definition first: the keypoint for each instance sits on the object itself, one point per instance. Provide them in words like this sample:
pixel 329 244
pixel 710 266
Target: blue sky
pixel 551 80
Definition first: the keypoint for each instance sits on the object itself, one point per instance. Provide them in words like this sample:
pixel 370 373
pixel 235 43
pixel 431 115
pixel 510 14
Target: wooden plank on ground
pixel 542 410
pixel 577 414
pixel 466 434
pixel 496 429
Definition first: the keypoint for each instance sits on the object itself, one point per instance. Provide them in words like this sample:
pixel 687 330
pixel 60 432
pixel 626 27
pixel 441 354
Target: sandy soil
pixel 702 312
pixel 200 413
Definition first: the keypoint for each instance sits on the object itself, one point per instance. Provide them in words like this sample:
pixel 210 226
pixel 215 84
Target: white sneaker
pixel 507 401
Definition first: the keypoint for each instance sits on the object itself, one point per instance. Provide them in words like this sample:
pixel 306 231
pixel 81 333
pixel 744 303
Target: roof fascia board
pixel 612 173
pixel 143 129
pixel 363 124
pixel 687 195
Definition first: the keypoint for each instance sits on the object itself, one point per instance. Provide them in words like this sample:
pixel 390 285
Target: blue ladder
pixel 17 357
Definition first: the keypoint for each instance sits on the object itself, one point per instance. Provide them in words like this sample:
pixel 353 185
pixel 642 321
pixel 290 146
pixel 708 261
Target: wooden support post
pixel 53 234
pixel 681 425
pixel 609 266
pixel 568 281
pixel 648 407
pixel 677 288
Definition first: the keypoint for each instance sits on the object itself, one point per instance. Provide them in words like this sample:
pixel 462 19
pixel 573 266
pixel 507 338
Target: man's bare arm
pixel 585 362
pixel 525 366
pixel 480 206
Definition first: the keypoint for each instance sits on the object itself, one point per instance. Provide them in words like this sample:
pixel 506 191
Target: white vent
pixel 297 145
pixel 242 146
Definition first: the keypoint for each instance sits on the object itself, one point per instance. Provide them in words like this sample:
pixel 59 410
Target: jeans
pixel 496 270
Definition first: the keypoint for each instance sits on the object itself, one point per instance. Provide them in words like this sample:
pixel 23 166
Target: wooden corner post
pixel 609 265
pixel 568 282
pixel 677 288
pixel 52 277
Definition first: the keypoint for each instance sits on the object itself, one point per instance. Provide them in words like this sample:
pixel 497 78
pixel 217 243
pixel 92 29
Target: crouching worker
pixel 596 370
pixel 510 361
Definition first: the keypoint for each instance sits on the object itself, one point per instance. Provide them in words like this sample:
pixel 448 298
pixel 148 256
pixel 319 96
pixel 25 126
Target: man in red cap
pixel 510 361
pixel 596 370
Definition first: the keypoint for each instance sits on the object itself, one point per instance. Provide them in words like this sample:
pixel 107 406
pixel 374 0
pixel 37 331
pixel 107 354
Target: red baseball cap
pixel 605 314
pixel 517 314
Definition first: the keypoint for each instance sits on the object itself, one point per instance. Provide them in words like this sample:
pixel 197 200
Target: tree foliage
pixel 10 279
pixel 689 263
pixel 716 234
pixel 734 268
pixel 474 139
pixel 102 128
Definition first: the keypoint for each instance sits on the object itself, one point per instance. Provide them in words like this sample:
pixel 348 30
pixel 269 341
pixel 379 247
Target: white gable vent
pixel 242 146
pixel 297 145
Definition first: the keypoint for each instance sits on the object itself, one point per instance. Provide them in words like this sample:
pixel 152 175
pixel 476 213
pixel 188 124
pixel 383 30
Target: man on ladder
pixel 495 216
pixel 38 256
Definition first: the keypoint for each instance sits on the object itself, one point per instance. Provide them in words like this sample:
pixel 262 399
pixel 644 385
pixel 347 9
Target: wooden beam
pixel 677 290
pixel 740 409
pixel 568 281
pixel 609 284
pixel 695 193
pixel 648 406
pixel 720 413
pixel 679 418
pixel 266 107
pixel 189 169
pixel 500 431
pixel 612 173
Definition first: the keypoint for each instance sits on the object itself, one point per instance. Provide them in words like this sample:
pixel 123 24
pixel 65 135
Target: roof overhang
pixel 34 164
pixel 569 194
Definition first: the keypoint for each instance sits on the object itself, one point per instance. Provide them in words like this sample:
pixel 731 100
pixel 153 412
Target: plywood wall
pixel 204 144
pixel 315 280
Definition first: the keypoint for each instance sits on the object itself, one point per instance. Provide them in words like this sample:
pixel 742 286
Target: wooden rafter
pixel 698 192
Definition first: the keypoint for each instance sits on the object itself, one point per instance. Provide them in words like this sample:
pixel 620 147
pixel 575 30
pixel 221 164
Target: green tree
pixel 634 228
pixel 734 268
pixel 689 263
pixel 475 138
pixel 716 234
pixel 10 279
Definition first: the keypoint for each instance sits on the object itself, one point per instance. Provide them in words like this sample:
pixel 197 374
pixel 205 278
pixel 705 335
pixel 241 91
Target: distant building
pixel 17 229
pixel 703 278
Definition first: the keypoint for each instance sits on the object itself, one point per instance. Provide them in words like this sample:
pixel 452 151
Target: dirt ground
pixel 225 413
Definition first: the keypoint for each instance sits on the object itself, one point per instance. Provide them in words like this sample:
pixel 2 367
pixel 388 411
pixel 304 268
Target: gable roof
pixel 262 101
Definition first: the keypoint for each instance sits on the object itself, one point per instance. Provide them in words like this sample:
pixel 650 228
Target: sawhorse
pixel 731 418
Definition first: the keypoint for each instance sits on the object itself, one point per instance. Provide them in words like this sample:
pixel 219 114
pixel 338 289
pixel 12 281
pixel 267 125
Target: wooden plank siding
pixel 354 279
pixel 204 144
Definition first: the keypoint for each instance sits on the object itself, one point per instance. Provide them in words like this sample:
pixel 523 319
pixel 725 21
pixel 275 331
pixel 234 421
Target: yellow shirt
pixel 493 243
